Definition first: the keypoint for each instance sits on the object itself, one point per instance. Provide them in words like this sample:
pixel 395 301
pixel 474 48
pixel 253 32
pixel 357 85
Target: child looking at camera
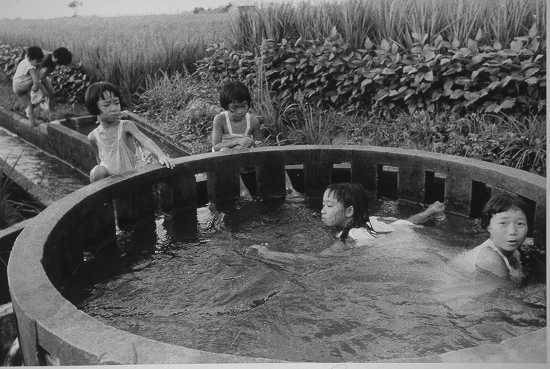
pixel 504 217
pixel 115 140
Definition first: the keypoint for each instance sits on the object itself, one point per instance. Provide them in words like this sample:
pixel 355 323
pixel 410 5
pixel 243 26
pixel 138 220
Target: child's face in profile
pixel 109 107
pixel 333 213
pixel 508 229
pixel 238 109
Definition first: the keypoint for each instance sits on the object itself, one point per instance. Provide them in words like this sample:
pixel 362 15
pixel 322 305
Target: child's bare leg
pixel 98 172
pixel 290 190
pixel 433 211
pixel 244 192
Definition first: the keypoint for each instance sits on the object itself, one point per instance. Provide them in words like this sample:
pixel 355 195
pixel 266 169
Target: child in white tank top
pixel 117 142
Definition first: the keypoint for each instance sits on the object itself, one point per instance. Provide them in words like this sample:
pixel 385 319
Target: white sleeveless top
pixel 468 260
pixel 116 153
pixel 230 134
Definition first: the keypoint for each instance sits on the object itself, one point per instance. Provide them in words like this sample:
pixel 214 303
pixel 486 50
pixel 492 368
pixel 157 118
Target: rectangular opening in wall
pixel 248 175
pixel 341 172
pixel 387 181
pixel 434 187
pixel 296 174
pixel 481 193
pixel 202 190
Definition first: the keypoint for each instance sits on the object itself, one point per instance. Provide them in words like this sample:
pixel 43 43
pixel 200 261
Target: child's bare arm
pixel 35 75
pixel 93 144
pixel 217 132
pixel 147 143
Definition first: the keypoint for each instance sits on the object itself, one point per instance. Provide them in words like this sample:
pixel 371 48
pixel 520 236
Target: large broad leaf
pixel 507 104
pixel 530 72
pixel 408 69
pixel 366 82
pixel 429 76
pixel 385 45
pixel 532 81
pixel 456 43
pixel 457 94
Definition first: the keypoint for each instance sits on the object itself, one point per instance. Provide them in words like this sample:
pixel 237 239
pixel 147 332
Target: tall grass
pixel 396 20
pixel 124 50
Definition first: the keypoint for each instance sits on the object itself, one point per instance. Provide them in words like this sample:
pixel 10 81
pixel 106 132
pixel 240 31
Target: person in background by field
pixel 236 128
pixel 116 141
pixel 60 56
pixel 26 81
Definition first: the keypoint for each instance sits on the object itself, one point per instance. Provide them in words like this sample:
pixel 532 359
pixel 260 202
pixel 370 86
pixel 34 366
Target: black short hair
pixel 499 203
pixel 95 92
pixel 35 53
pixel 234 91
pixel 63 56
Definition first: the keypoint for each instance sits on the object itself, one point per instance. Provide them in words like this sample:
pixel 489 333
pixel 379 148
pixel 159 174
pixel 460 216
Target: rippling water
pixel 397 299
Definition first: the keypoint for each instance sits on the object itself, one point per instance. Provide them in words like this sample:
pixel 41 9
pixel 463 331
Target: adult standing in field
pixel 60 56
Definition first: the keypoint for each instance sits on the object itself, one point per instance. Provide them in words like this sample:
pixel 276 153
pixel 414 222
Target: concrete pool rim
pixel 56 329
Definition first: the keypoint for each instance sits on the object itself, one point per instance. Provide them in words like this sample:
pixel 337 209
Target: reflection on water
pixel 56 178
pixel 191 286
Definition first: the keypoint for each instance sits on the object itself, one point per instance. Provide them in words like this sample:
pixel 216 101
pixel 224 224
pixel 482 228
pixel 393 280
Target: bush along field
pixel 486 101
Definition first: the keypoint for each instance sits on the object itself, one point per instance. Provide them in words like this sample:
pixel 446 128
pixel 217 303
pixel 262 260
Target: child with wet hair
pixel 26 81
pixel 505 218
pixel 345 208
pixel 116 141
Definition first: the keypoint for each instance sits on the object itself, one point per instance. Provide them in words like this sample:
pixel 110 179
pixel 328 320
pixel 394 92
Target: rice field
pixel 395 20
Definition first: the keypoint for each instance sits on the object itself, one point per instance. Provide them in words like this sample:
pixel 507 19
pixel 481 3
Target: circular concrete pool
pixel 46 254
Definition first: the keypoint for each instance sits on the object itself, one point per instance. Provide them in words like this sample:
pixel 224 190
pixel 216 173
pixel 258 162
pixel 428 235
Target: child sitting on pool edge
pixel 115 140
pixel 236 128
pixel 504 217
pixel 345 207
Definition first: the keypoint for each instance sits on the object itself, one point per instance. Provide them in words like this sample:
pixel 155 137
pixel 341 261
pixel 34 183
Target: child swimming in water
pixel 504 217
pixel 345 207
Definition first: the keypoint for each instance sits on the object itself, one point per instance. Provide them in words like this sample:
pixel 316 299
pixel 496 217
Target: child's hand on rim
pixel 166 161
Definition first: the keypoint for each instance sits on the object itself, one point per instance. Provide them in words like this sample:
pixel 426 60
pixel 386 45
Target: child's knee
pixel 98 172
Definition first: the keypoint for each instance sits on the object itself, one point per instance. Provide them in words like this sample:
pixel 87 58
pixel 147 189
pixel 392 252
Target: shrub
pixel 440 76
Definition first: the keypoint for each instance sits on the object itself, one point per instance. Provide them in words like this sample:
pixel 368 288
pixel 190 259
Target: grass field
pixel 124 50
pixel 395 20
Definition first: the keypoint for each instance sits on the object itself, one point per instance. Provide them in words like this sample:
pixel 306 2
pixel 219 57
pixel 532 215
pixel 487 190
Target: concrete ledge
pixel 7 239
pixel 36 192
pixel 72 337
pixel 53 138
